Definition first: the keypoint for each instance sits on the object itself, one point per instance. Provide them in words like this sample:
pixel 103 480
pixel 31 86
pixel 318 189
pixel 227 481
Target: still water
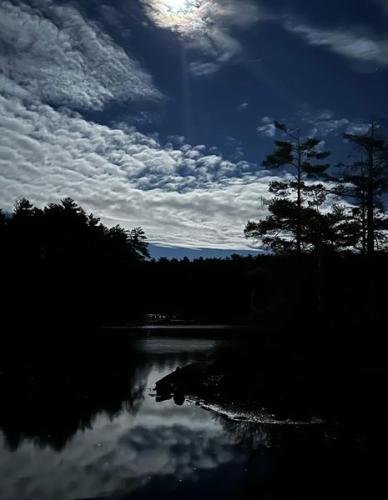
pixel 138 448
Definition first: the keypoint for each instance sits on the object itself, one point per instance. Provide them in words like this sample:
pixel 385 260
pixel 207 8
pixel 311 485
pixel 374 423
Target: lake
pixel 113 444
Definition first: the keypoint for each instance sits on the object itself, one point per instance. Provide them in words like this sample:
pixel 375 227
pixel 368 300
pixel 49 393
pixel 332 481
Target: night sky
pixel 159 112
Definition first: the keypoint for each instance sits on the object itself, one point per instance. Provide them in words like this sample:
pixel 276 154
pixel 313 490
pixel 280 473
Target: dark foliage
pixel 337 292
pixel 60 265
pixel 366 182
pixel 295 208
pixel 53 386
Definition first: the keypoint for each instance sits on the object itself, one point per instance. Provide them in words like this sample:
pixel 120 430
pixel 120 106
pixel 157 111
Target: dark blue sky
pixel 159 112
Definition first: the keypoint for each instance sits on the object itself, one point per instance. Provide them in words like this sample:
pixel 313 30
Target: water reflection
pixel 84 424
pixel 87 426
pixel 53 389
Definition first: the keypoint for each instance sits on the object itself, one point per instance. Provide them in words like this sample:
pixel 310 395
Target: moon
pixel 183 16
pixel 178 7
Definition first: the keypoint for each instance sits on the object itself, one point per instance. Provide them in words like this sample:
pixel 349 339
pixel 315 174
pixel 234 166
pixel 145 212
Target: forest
pixel 323 257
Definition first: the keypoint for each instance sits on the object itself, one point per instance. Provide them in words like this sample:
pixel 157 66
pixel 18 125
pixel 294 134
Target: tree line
pixel 61 264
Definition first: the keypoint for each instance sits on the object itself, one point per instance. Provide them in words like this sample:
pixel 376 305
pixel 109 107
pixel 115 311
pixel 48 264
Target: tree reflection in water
pixel 51 387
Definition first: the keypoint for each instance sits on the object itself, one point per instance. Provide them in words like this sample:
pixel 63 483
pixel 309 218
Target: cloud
pixel 354 44
pixel 54 54
pixel 199 68
pixel 324 123
pixel 242 106
pixel 267 127
pixel 182 195
pixel 358 128
pixel 208 28
pixel 176 450
pixel 315 124
pixel 123 455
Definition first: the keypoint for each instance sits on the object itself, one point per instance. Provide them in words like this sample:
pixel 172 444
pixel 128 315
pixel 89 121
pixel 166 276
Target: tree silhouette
pixel 365 182
pixel 294 211
pixel 70 259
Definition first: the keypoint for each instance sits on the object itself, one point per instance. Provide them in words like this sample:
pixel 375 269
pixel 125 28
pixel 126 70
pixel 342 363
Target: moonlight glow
pixel 179 7
pixel 184 16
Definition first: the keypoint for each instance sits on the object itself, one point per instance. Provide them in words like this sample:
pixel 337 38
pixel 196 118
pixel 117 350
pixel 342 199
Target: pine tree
pixel 295 207
pixel 365 183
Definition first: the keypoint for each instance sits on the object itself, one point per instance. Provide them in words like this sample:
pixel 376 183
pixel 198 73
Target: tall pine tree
pixel 294 210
